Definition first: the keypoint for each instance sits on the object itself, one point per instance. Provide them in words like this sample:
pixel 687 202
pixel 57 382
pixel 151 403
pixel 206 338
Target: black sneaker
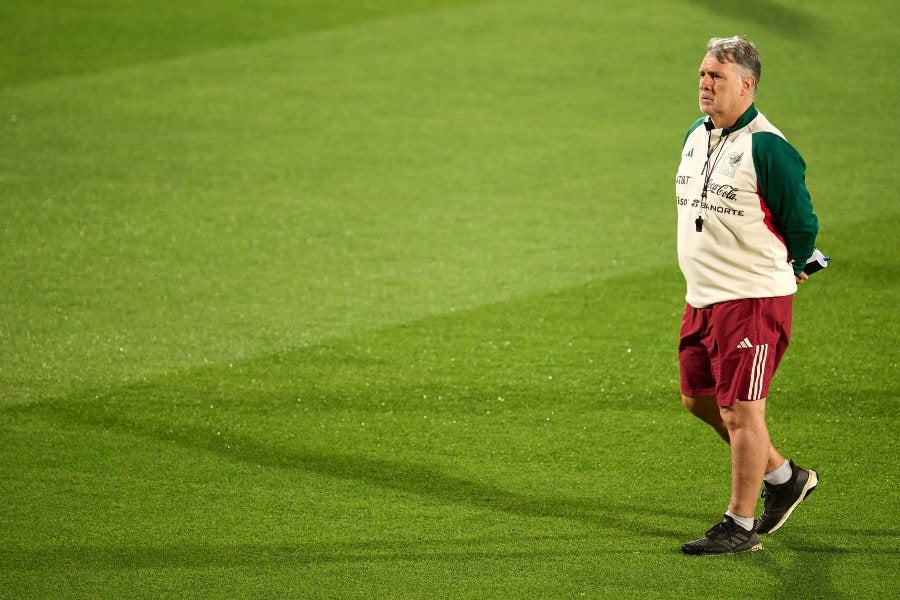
pixel 779 501
pixel 725 537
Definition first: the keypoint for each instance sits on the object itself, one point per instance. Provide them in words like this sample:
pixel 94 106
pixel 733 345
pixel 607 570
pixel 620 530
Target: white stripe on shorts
pixel 758 375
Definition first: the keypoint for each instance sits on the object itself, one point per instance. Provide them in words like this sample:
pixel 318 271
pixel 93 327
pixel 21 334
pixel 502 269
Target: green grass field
pixel 379 299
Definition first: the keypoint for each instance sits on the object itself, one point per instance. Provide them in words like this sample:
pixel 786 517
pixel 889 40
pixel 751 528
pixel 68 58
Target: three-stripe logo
pixel 758 374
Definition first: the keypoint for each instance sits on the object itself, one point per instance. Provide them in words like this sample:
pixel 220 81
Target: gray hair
pixel 740 51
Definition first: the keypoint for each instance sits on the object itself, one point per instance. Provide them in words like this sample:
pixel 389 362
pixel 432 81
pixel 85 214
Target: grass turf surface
pixel 380 301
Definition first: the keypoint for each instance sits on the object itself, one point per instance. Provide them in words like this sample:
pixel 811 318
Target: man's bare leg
pixel 750 453
pixel 706 409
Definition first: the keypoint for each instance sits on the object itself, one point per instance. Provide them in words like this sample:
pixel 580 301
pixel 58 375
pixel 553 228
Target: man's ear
pixel 748 84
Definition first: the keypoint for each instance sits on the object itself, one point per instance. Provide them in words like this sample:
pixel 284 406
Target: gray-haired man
pixel 746 228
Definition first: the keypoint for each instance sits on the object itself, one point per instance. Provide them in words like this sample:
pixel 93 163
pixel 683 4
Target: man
pixel 746 228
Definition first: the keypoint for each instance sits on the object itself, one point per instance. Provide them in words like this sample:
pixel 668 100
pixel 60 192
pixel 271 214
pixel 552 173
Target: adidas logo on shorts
pixel 745 343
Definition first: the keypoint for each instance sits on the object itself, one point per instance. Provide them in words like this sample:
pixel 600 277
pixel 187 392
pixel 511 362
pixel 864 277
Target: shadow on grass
pixel 299 554
pixel 394 475
pixel 802 570
pixel 416 479
pixel 785 20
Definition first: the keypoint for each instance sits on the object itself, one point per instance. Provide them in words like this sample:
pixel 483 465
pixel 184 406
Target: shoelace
pixel 721 525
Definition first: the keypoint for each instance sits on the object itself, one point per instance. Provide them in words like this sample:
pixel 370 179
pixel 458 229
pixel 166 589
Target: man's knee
pixel 744 413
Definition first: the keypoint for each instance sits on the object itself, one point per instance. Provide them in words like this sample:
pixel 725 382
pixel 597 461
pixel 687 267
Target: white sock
pixel 780 475
pixel 745 522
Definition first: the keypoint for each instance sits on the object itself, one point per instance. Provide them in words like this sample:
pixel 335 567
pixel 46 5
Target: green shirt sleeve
pixel 781 176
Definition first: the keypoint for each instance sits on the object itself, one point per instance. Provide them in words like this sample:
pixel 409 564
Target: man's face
pixel 724 95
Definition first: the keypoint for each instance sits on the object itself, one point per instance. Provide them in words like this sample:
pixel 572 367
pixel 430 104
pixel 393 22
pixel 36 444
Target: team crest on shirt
pixel 730 164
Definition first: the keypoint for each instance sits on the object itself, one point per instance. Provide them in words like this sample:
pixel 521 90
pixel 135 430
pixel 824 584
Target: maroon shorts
pixel 730 350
